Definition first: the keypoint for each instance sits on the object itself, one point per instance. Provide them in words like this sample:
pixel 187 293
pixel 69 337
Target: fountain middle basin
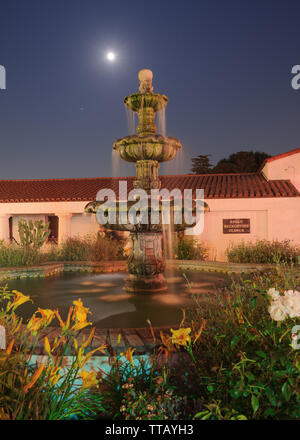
pixel 110 304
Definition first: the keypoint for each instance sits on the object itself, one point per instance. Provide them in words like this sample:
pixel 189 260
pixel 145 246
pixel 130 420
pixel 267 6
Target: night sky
pixel 225 66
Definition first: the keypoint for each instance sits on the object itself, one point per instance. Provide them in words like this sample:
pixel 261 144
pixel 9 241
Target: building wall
pixel 83 224
pixel 270 219
pixel 72 219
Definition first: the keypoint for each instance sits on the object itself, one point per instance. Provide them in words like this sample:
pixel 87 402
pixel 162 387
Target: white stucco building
pixel 247 206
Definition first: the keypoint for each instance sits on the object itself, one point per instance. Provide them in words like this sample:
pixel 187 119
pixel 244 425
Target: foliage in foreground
pixel 264 252
pixel 232 358
pixel 244 363
pixel 51 390
pixel 45 391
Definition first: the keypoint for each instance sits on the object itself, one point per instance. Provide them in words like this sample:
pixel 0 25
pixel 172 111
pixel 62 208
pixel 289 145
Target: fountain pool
pixel 111 305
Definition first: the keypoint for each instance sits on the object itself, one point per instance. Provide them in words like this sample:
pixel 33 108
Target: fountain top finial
pixel 145 78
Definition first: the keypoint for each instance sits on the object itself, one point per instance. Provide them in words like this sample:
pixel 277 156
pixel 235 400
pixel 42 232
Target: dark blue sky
pixel 225 66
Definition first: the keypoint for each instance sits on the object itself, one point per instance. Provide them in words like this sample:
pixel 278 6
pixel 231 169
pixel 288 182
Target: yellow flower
pixel 87 342
pixel 128 354
pixel 80 325
pixel 34 378
pixel 53 375
pixel 181 336
pixel 61 322
pixel 47 346
pixel 80 312
pixel 167 346
pixel 18 300
pixel 77 314
pixel 36 323
pixel 82 360
pixel 10 346
pixel 199 333
pixel 47 315
pixel 89 379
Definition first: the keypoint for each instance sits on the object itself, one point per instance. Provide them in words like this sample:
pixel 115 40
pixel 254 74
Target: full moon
pixel 110 56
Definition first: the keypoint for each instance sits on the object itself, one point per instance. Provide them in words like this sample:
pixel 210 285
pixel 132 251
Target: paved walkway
pixel 139 338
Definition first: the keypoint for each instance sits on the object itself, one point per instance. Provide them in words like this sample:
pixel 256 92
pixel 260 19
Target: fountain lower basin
pixel 110 304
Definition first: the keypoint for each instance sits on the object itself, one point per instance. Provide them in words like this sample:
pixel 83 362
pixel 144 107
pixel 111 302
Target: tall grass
pixel 88 248
pixel 188 248
pixel 264 251
pixel 14 255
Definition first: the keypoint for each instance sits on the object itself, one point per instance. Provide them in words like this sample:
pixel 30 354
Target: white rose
pixel 291 293
pixel 273 293
pixel 277 311
pixel 291 302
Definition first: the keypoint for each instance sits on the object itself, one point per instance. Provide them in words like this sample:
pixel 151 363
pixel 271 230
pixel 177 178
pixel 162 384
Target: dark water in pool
pixel 110 304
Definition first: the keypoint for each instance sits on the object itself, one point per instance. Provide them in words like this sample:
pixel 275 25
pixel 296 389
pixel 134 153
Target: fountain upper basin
pixel 138 101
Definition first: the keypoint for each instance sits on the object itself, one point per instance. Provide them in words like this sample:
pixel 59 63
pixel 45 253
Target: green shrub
pixel 90 248
pixel 105 248
pixel 190 249
pixel 139 389
pixel 264 251
pixel 74 249
pixel 13 255
pixel 243 364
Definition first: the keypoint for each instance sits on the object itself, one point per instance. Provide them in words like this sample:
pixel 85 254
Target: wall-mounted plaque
pixel 236 225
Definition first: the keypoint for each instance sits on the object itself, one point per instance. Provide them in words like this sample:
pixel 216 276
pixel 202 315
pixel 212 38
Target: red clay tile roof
pixel 216 186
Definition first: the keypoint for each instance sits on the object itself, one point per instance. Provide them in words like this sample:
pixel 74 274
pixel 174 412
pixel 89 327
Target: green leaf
pixel 262 354
pixel 254 403
pixel 210 388
pixel 250 376
pixel 200 414
pixel 286 391
pixel 235 393
pixel 253 302
pixel 241 417
pixel 234 340
pixel 269 412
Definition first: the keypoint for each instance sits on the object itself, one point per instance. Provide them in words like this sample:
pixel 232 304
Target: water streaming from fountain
pixel 131 120
pixel 161 122
pixel 115 164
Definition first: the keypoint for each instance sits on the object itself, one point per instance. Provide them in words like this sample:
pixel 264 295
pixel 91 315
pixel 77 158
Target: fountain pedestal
pixel 146 263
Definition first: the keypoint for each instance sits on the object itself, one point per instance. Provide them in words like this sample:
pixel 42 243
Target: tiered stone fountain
pixel 146 263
